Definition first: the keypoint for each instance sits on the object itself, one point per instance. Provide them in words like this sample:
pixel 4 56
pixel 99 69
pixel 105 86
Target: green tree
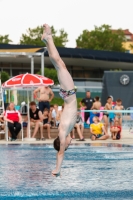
pixel 51 73
pixel 116 70
pixel 4 76
pixel 33 37
pixel 61 39
pixel 131 46
pixel 102 38
pixel 5 39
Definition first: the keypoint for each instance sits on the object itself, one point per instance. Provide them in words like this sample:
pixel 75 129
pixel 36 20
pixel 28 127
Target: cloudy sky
pixel 73 15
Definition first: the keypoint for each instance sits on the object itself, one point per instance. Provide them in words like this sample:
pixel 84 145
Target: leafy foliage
pixel 102 38
pixel 116 70
pixel 33 37
pixel 51 73
pixel 60 101
pixel 131 46
pixel 4 39
pixel 61 40
pixel 4 76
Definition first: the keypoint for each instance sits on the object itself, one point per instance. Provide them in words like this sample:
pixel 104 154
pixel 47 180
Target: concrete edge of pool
pixel 127 138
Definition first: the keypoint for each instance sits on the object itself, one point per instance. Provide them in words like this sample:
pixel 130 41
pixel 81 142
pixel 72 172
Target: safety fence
pixel 125 115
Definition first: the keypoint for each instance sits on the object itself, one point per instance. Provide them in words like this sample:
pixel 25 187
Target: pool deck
pixel 127 138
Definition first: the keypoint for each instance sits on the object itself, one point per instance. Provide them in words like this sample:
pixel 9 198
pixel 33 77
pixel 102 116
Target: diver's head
pixel 56 143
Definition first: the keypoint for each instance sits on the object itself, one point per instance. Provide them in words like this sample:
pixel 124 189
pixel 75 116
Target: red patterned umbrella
pixel 27 80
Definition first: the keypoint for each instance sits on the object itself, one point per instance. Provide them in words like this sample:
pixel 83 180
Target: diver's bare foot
pixel 46 33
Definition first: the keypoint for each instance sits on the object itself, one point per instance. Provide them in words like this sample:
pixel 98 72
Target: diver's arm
pixel 59 158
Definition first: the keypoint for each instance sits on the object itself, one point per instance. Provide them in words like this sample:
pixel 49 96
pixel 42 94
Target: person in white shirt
pixel 79 126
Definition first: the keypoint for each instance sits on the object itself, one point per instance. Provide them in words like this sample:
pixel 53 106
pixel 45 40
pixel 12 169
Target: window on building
pixel 128 37
pixel 127 51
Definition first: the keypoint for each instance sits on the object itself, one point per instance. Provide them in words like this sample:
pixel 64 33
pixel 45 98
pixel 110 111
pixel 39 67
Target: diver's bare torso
pixel 69 114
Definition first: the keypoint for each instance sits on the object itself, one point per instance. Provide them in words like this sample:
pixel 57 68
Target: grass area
pixel 60 101
pixel 56 100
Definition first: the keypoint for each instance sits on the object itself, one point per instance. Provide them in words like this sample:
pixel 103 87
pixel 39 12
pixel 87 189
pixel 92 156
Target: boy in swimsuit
pixel 96 106
pixel 67 92
pixel 58 116
pixel 108 106
pixel 79 126
pixel 46 123
pixel 119 106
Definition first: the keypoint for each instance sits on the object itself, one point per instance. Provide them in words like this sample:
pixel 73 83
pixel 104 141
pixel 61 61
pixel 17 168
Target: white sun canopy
pixel 28 55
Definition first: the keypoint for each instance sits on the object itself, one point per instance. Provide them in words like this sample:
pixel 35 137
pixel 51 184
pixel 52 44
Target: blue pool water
pixel 88 172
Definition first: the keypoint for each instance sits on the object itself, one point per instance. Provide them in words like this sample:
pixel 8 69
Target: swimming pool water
pixel 88 172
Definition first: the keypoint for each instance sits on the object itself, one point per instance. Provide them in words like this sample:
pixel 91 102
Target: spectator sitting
pixel 14 119
pixel 58 116
pixel 79 126
pixel 51 115
pixel 92 115
pixel 97 130
pixel 54 113
pixel 108 106
pixel 46 121
pixel 116 130
pixel 36 118
pixel 119 106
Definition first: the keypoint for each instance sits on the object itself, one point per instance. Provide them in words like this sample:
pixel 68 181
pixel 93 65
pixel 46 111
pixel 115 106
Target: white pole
pixel 28 114
pixel 32 96
pixel 42 64
pixel 14 92
pixel 9 97
pixel 32 71
pixel 32 65
pixel 42 61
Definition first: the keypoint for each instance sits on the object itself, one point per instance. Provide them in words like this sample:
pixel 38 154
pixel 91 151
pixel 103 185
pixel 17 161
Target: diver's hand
pixel 55 172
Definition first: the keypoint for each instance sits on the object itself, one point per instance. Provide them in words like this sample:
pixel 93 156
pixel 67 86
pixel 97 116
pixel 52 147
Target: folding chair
pixel 6 131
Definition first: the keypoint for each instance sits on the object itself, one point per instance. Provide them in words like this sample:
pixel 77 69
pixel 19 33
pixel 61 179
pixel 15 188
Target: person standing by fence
pixel 87 103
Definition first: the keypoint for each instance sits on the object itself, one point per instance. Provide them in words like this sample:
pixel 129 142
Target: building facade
pixel 86 66
pixel 129 41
